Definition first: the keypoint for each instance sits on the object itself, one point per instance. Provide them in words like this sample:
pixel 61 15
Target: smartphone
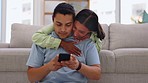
pixel 64 57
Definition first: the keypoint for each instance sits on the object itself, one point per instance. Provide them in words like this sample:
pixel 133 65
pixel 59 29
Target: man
pixel 43 63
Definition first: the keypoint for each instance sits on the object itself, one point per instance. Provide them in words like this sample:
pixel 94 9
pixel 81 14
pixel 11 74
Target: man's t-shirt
pixel 40 56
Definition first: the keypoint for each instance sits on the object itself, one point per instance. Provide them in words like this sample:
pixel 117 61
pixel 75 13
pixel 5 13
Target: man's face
pixel 80 31
pixel 63 25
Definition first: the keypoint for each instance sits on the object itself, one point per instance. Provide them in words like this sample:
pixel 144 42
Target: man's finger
pixel 56 58
pixel 73 57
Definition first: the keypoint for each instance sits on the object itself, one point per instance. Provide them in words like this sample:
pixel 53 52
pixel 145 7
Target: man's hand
pixel 54 64
pixel 70 48
pixel 73 63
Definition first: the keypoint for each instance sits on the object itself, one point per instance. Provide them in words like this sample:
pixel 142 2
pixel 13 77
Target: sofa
pixel 124 54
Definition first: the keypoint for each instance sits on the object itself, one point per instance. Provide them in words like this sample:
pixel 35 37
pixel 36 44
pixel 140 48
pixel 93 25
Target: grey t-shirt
pixel 40 56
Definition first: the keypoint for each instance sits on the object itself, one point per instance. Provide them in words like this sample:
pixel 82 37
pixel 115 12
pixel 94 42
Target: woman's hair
pixel 64 8
pixel 90 20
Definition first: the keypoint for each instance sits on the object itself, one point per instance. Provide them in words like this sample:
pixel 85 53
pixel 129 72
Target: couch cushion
pixel 105 42
pixel 21 35
pixel 14 77
pixel 131 60
pixel 13 59
pixel 128 36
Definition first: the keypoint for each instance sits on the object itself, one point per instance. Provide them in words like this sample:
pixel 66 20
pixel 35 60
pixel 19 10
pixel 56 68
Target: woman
pixel 87 26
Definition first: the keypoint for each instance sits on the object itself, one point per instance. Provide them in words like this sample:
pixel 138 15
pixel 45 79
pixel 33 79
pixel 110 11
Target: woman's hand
pixel 70 48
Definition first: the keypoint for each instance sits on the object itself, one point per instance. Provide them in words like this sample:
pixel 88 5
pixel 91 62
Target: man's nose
pixel 63 28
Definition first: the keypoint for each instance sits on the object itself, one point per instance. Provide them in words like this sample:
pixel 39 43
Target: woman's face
pixel 80 31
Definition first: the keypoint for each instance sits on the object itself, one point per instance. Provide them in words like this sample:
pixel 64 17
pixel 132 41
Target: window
pixel 131 11
pixel 105 10
pixel 0 20
pixel 121 11
pixel 18 11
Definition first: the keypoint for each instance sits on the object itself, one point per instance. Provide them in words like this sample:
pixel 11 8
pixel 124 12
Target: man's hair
pixel 64 8
pixel 90 20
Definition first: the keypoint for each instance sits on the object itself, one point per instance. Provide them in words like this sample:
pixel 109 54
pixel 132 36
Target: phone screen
pixel 64 57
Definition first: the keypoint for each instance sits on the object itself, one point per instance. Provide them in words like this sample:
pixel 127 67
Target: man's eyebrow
pixel 58 22
pixel 69 22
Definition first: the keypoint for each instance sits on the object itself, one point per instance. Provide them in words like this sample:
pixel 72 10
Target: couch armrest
pixel 107 59
pixel 4 45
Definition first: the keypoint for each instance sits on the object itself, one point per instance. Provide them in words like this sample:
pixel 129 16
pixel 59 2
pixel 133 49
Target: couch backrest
pixel 21 35
pixel 105 42
pixel 128 36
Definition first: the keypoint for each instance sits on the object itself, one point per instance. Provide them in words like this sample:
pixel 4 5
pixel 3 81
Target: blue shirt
pixel 40 56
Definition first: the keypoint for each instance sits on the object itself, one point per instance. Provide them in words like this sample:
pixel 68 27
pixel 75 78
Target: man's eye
pixel 58 24
pixel 68 25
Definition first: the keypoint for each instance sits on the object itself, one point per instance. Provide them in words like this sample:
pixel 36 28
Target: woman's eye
pixel 82 32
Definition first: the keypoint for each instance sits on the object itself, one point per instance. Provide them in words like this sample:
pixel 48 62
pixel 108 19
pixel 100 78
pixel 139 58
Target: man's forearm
pixel 37 74
pixel 91 72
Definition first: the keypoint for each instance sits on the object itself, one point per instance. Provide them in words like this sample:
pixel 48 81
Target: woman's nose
pixel 75 32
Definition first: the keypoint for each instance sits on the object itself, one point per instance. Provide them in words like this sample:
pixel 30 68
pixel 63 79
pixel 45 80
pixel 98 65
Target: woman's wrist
pixel 62 43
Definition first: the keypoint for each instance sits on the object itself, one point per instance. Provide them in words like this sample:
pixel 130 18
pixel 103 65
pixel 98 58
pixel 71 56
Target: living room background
pixel 32 12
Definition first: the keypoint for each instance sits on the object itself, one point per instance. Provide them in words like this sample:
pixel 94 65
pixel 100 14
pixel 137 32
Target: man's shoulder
pixel 88 42
pixel 38 47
